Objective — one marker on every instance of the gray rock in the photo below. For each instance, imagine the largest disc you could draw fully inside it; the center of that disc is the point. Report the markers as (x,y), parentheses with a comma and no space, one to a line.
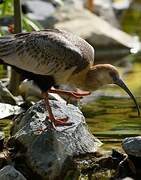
(10,173)
(132,146)
(127,178)
(2,136)
(39,10)
(7,110)
(72,15)
(6,96)
(105,10)
(49,153)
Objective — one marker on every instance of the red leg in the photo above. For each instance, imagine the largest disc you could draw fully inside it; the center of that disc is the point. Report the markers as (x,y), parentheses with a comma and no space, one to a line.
(74,94)
(55,122)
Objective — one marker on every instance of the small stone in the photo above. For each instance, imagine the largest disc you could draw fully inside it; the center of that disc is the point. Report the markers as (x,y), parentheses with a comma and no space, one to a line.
(10,173)
(127,178)
(6,96)
(7,110)
(3,159)
(132,146)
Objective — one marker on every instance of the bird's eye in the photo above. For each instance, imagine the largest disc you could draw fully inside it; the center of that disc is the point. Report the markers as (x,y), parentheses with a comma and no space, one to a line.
(113,75)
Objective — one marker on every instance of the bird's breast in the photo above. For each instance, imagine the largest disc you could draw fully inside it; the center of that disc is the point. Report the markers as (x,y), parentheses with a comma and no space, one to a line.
(78,79)
(63,76)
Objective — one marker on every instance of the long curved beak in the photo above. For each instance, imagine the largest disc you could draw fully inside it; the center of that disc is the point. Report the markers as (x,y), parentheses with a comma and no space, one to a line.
(120,83)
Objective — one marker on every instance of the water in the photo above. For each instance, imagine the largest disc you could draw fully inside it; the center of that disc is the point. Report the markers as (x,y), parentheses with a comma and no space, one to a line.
(113,116)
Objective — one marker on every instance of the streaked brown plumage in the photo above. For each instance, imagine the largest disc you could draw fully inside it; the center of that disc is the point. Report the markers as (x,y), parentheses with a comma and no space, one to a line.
(52,57)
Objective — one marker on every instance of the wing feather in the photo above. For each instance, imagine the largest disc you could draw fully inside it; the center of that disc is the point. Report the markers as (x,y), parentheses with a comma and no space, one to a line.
(44,52)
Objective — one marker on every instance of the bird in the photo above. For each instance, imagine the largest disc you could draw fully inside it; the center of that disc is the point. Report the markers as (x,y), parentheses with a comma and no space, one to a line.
(52,57)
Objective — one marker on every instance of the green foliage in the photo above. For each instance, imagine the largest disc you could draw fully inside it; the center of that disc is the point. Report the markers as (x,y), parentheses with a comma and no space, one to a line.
(7,11)
(6,8)
(30,25)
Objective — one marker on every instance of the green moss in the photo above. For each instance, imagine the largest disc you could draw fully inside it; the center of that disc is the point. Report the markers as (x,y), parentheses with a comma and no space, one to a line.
(5,125)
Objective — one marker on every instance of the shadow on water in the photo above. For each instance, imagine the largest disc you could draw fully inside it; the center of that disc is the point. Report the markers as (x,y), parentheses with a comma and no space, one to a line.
(113,116)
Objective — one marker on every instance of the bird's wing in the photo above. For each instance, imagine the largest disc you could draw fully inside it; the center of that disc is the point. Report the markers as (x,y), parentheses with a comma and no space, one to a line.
(86,49)
(44,52)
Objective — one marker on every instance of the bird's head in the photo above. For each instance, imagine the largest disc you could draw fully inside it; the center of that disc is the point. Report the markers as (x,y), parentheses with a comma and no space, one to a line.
(104,74)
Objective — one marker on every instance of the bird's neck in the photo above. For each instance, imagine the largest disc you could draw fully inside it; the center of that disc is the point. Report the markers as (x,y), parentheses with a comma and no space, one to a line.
(91,83)
(78,79)
(85,80)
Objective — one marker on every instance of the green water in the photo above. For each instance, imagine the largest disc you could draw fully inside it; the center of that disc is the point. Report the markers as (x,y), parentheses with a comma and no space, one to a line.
(113,116)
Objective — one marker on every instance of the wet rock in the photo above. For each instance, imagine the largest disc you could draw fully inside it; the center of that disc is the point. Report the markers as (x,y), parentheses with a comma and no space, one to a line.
(132,146)
(39,10)
(6,96)
(48,152)
(2,136)
(10,173)
(127,178)
(7,110)
(102,39)
(3,159)
(72,15)
(99,165)
(106,11)
(130,166)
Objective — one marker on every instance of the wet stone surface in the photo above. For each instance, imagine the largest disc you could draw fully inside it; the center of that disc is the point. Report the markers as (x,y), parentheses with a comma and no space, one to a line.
(10,173)
(2,136)
(130,166)
(48,152)
(132,146)
(6,96)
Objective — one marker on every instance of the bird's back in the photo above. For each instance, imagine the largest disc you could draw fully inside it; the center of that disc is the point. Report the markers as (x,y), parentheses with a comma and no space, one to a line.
(47,52)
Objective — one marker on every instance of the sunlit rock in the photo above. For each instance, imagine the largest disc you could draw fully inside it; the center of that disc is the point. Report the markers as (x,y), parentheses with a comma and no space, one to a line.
(49,152)
(7,110)
(6,96)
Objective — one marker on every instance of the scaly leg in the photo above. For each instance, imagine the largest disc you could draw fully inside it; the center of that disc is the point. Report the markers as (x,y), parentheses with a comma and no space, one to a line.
(76,95)
(54,121)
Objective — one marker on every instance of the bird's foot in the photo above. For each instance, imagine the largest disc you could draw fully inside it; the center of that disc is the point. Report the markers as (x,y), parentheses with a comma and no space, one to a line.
(80,93)
(54,124)
(61,122)
(58,122)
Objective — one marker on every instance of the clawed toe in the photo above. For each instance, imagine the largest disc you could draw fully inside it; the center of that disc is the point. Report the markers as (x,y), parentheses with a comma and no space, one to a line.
(62,122)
